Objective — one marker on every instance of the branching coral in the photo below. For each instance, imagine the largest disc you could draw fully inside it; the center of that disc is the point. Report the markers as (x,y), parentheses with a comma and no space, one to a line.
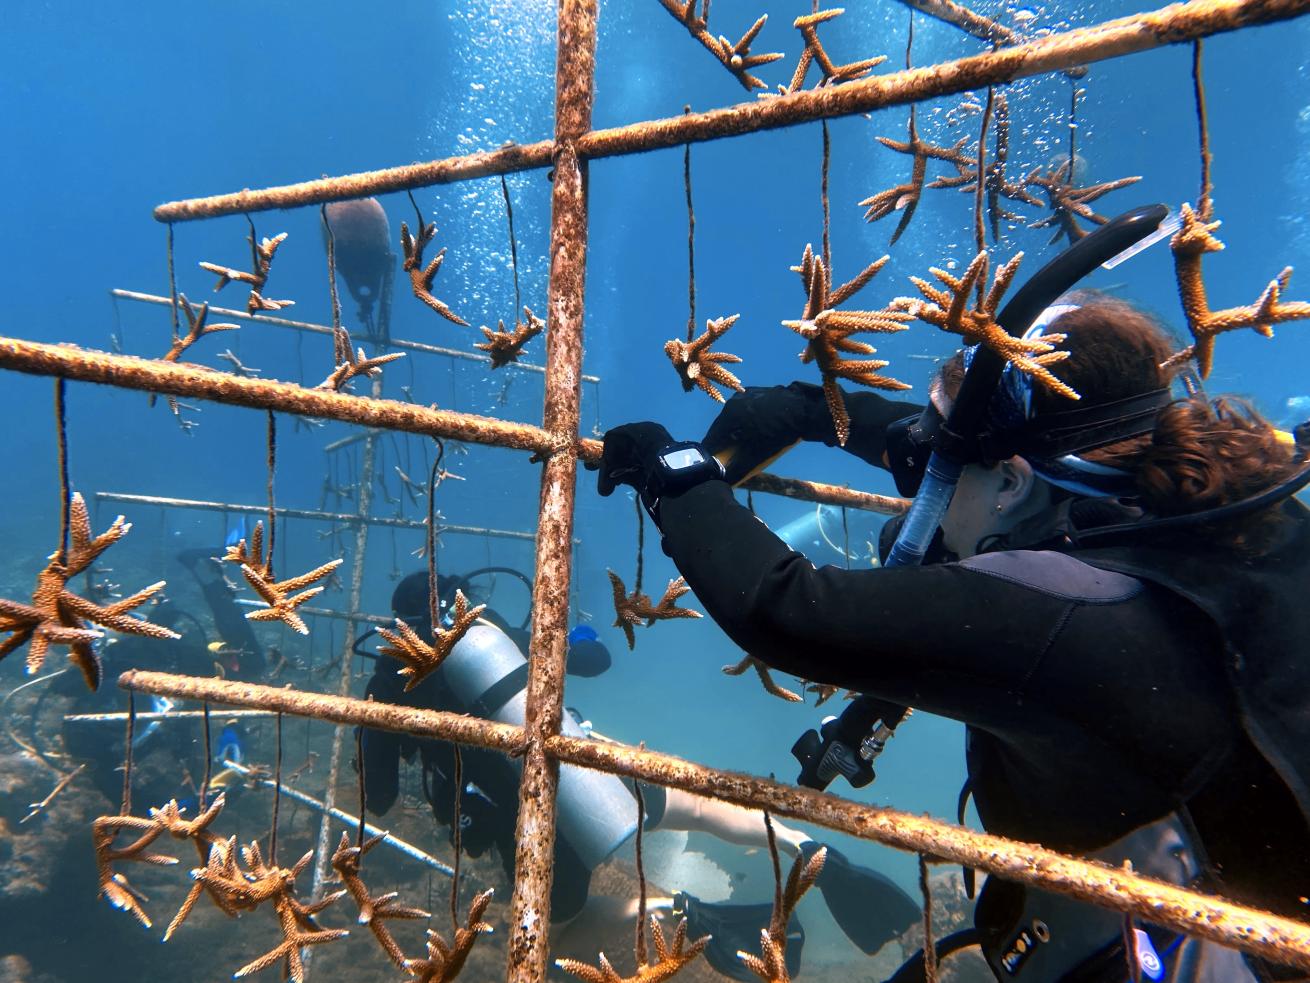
(446,960)
(696,365)
(57,616)
(814,53)
(352,364)
(420,276)
(632,609)
(905,197)
(1192,241)
(761,670)
(261,261)
(771,964)
(1068,203)
(373,910)
(949,310)
(667,962)
(736,58)
(279,595)
(828,334)
(196,329)
(506,346)
(421,659)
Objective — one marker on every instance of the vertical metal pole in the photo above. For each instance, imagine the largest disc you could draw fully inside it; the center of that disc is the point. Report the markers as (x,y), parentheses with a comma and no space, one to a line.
(530,910)
(323,851)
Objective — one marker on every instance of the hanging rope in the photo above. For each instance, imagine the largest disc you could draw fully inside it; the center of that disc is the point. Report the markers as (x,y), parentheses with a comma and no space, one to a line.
(359,771)
(277,797)
(172,283)
(823,198)
(126,808)
(929,947)
(456,831)
(641,544)
(980,238)
(1073,126)
(65,495)
(845,538)
(513,246)
(691,238)
(209,762)
(1204,204)
(640,948)
(434,615)
(272,467)
(340,344)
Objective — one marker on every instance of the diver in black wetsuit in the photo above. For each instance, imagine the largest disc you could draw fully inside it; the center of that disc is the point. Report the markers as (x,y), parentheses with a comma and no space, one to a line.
(1116,613)
(486,674)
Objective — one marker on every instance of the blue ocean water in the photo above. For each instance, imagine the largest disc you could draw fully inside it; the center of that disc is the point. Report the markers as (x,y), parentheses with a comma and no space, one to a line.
(109,110)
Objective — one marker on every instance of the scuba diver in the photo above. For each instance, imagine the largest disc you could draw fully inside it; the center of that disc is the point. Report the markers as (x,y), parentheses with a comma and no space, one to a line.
(361,239)
(486,674)
(1112,605)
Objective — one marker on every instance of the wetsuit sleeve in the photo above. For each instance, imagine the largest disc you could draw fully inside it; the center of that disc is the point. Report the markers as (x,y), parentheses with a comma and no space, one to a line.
(871,415)
(945,639)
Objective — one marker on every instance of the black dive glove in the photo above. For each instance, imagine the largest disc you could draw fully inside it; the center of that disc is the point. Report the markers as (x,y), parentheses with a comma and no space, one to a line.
(757,425)
(629,456)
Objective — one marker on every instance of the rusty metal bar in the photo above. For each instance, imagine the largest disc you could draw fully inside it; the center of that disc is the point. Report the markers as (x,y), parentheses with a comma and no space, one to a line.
(1272,937)
(1174,24)
(170,378)
(366,618)
(311,328)
(529,920)
(973,23)
(340,518)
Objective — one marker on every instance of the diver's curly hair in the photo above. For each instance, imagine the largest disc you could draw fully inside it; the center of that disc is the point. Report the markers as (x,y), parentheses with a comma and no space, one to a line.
(1202,454)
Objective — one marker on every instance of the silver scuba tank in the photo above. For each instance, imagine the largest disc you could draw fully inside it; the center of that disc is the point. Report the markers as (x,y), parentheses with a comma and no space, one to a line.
(487,675)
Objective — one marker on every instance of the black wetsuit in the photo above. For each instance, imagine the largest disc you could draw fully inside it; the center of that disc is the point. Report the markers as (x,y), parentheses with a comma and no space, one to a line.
(1095,702)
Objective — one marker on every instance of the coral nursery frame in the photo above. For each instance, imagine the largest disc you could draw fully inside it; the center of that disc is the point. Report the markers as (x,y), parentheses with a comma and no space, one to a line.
(559,446)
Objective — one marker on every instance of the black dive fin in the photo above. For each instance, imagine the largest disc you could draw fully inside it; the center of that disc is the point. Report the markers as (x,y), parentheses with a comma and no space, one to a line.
(736,928)
(868,906)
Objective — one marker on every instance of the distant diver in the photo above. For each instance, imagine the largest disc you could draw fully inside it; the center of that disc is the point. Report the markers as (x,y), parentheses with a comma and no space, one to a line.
(486,674)
(362,248)
(1114,604)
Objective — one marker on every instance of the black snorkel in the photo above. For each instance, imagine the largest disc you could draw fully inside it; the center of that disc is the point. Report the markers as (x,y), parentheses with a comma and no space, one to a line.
(955,439)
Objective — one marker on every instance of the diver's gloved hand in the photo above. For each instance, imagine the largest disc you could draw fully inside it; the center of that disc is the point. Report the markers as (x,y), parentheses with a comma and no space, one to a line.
(757,425)
(629,455)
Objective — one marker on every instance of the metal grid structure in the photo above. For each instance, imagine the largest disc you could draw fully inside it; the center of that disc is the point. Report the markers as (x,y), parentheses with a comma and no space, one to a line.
(559,446)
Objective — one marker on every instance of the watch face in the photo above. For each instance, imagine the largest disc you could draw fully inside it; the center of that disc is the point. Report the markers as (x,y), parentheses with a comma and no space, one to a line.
(683,458)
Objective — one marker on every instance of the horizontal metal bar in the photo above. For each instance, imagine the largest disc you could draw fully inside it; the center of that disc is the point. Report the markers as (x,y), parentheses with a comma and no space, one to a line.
(311,328)
(1269,936)
(1174,24)
(340,518)
(197,382)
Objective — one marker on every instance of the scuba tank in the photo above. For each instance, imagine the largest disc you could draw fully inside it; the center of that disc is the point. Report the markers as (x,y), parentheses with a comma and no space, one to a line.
(487,676)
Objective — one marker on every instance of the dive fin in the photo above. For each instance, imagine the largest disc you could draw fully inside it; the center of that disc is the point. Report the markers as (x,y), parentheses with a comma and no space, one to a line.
(868,906)
(736,928)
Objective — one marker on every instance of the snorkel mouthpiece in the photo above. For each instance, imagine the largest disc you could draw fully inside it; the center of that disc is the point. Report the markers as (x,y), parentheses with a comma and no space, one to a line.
(955,442)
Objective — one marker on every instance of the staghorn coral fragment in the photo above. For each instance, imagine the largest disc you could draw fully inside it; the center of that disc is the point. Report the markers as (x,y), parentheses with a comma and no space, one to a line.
(761,670)
(949,310)
(506,346)
(904,198)
(827,333)
(420,276)
(1193,240)
(632,609)
(1069,203)
(261,261)
(736,58)
(355,365)
(696,365)
(373,909)
(668,961)
(196,329)
(814,54)
(279,595)
(771,964)
(114,886)
(57,616)
(445,961)
(421,659)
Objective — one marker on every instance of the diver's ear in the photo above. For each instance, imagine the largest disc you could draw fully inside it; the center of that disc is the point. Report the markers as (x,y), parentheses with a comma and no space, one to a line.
(1017,483)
